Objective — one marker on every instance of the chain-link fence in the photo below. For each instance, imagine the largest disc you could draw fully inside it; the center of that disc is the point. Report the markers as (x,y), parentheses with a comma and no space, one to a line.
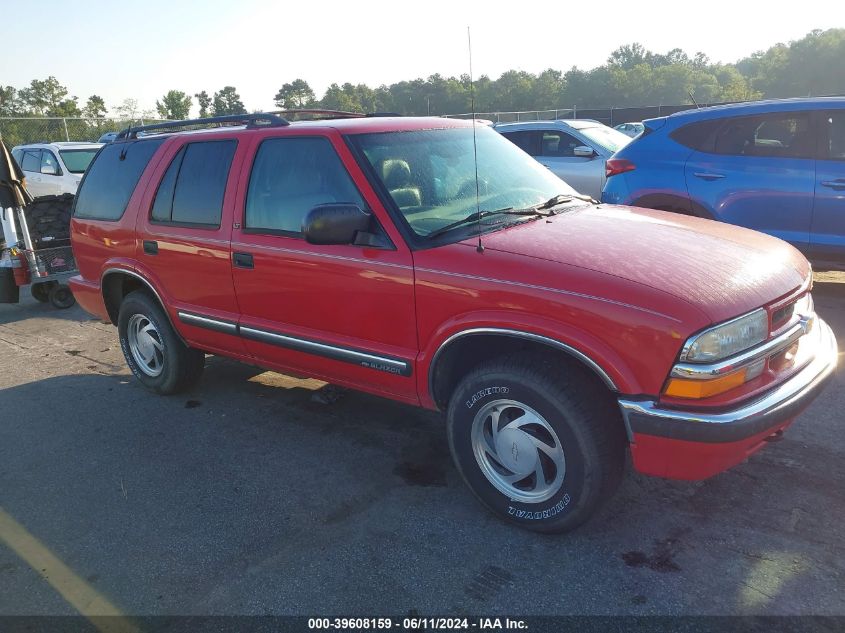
(22,130)
(608,116)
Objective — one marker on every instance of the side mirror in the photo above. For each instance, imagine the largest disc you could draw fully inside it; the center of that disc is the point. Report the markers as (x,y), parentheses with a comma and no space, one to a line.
(583,151)
(335,224)
(49,170)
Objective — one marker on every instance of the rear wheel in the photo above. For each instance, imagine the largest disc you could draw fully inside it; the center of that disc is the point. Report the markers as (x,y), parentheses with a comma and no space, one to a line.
(541,446)
(61,297)
(153,351)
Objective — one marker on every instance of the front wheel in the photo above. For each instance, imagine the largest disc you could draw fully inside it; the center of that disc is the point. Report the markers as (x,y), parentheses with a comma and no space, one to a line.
(153,351)
(540,446)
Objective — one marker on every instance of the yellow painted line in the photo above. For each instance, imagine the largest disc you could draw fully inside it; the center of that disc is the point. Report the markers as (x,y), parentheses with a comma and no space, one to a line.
(78,593)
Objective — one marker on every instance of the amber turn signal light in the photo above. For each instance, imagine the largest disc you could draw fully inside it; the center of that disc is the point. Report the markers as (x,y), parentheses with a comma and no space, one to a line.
(683,388)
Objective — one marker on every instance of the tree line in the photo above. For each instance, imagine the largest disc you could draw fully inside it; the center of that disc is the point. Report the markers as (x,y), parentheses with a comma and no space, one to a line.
(632,76)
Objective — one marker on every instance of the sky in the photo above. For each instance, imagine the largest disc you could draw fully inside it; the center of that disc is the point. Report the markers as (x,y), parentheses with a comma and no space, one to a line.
(140,50)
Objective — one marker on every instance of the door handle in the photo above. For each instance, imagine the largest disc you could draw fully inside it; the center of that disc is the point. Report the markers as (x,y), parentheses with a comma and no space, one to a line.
(706,175)
(837,184)
(243,260)
(150,247)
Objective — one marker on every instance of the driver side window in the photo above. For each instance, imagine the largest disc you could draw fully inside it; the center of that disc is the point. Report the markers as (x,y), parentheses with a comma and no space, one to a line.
(291,176)
(559,144)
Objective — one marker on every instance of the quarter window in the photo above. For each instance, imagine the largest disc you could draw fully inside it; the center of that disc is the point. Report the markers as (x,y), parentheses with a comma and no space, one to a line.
(191,191)
(112,177)
(785,135)
(291,176)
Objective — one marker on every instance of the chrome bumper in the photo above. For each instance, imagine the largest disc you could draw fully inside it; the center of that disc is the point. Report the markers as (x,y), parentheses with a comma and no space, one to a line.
(780,405)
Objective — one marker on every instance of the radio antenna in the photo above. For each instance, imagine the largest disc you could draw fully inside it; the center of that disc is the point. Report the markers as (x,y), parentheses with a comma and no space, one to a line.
(479,248)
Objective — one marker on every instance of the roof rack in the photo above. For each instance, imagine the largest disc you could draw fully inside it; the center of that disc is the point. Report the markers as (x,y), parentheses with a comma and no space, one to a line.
(256,120)
(323,114)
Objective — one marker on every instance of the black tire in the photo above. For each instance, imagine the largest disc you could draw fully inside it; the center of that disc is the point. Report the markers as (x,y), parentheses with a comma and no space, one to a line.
(181,366)
(577,409)
(61,297)
(41,292)
(48,220)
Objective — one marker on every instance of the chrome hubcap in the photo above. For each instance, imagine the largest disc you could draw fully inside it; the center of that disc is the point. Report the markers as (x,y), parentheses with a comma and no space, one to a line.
(145,345)
(518,451)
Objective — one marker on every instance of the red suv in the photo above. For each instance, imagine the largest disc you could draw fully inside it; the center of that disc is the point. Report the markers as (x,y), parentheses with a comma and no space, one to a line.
(433,262)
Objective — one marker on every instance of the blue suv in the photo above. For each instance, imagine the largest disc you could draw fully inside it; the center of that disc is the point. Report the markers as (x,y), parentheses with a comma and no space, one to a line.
(774,166)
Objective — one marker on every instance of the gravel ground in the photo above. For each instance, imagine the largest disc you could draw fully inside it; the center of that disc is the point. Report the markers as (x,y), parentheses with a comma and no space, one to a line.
(247,496)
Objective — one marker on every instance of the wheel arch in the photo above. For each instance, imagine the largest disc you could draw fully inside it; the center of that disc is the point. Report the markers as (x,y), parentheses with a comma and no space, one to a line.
(465,349)
(673,202)
(117,283)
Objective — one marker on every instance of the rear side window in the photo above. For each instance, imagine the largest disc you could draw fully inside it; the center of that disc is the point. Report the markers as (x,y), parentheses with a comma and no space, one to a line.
(110,180)
(18,156)
(31,160)
(834,123)
(529,142)
(781,135)
(191,191)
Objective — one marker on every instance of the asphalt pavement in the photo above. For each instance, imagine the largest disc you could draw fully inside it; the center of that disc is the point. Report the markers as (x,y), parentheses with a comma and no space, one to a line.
(250,495)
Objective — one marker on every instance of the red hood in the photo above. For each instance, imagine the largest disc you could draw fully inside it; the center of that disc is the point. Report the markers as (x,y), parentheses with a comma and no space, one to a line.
(722,269)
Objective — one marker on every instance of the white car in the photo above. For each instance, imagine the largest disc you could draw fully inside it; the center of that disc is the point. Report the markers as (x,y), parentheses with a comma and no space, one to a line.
(575,150)
(630,129)
(52,169)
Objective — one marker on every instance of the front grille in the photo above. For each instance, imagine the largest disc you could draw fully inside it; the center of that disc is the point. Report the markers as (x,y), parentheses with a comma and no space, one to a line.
(781,316)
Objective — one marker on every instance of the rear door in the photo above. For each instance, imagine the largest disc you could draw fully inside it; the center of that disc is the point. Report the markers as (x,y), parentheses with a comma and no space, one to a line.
(827,235)
(343,313)
(31,166)
(758,172)
(184,232)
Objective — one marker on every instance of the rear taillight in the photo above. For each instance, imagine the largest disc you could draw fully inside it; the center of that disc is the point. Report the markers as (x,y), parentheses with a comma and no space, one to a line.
(615,166)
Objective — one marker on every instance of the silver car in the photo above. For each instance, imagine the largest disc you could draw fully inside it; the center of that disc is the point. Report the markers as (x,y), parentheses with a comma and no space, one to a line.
(575,149)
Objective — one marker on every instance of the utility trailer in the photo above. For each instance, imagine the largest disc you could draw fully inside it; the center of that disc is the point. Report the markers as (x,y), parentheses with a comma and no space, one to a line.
(35,245)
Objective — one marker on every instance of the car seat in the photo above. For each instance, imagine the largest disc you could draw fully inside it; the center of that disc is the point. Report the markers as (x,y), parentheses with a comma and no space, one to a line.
(396,175)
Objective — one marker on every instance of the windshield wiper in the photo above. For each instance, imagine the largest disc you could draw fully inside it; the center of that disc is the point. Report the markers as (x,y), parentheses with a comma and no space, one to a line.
(563,198)
(476,216)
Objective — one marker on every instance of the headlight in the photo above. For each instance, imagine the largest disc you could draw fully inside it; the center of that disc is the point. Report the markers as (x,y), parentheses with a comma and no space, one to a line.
(727,339)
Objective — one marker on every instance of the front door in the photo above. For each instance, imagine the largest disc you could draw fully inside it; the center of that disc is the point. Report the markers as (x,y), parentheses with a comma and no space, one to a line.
(582,173)
(341,313)
(827,236)
(759,172)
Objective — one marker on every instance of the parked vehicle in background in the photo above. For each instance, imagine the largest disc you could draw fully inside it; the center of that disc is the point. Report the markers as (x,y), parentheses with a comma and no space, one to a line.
(630,129)
(388,255)
(108,137)
(575,150)
(52,169)
(774,166)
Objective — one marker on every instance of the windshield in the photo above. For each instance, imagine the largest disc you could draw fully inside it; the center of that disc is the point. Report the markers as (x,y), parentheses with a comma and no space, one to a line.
(608,138)
(77,160)
(430,175)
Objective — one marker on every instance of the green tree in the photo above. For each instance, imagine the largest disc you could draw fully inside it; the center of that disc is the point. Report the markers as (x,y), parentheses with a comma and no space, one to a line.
(175,105)
(44,96)
(297,94)
(204,102)
(128,109)
(65,108)
(10,104)
(95,107)
(227,101)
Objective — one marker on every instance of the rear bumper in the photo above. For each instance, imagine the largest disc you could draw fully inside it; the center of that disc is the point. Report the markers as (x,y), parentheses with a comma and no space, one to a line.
(683,444)
(89,296)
